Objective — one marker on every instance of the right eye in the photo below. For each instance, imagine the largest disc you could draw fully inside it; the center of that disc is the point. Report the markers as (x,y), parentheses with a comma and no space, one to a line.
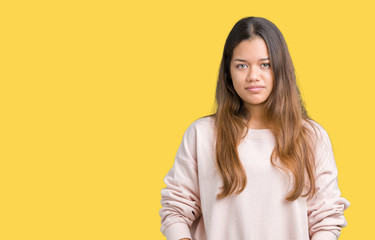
(241,66)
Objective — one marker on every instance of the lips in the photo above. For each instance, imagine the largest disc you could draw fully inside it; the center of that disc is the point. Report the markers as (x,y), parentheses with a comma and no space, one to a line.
(254,86)
(255,89)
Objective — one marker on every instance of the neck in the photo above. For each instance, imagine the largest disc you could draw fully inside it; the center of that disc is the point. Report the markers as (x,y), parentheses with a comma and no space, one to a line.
(257,117)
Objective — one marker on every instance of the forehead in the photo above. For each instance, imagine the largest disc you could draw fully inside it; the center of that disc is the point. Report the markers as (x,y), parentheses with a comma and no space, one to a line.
(253,49)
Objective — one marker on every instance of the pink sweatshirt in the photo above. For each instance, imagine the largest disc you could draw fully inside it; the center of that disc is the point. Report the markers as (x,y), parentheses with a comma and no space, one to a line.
(191,210)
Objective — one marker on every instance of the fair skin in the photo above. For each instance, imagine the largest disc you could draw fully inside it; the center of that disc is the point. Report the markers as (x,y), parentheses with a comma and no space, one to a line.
(252,77)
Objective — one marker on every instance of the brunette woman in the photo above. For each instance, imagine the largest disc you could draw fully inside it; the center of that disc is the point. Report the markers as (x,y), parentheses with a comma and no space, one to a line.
(259,168)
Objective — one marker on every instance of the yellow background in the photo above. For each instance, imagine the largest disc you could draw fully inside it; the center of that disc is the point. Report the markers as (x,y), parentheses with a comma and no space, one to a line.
(96,95)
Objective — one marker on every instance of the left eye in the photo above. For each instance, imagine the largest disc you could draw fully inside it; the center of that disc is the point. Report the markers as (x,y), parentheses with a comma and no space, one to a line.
(265,65)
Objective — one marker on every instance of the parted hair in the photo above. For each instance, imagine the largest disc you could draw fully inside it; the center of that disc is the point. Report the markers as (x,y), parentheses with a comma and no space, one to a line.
(285,115)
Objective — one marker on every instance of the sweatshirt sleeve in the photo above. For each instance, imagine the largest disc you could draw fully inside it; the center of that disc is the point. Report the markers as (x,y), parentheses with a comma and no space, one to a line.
(326,208)
(180,199)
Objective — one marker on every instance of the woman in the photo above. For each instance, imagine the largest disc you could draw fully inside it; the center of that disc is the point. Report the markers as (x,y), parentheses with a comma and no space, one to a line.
(259,168)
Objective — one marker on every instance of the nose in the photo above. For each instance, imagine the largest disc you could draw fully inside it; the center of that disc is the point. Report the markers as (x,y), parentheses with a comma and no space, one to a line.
(253,74)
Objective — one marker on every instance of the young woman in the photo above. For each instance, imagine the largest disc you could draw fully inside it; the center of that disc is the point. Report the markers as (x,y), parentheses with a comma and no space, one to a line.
(259,168)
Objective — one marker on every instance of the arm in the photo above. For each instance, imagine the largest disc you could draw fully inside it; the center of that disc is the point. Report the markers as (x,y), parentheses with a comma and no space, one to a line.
(325,209)
(180,199)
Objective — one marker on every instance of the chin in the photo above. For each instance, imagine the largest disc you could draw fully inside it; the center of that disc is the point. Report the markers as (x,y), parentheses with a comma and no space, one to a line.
(256,102)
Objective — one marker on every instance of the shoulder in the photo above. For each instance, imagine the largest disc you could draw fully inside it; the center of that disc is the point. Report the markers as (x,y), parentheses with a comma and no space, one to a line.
(320,138)
(198,134)
(317,130)
(201,127)
(313,124)
(205,122)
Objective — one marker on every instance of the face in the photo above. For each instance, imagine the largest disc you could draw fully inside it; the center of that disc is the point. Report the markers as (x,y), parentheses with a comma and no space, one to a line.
(251,72)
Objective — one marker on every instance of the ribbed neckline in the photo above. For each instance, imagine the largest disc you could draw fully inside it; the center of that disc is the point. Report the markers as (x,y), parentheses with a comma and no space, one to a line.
(260,133)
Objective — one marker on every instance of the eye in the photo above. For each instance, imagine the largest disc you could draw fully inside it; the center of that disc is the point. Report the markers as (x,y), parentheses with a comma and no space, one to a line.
(241,66)
(265,65)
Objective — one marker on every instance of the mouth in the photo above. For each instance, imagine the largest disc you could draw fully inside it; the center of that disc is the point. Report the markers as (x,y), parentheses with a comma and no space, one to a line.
(255,89)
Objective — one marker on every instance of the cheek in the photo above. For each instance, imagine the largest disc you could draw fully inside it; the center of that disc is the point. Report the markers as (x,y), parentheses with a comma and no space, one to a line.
(269,79)
(237,77)
(236,85)
(236,82)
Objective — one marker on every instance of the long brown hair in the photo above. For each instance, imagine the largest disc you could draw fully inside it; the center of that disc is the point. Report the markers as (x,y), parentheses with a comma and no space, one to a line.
(285,114)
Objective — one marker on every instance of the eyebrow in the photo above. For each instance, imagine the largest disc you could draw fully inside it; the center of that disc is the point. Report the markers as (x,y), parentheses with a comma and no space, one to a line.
(242,60)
